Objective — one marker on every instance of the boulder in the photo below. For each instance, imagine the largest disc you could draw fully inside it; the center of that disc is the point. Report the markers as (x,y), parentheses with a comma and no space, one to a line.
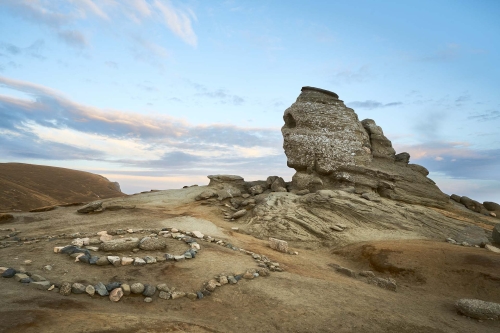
(455,198)
(473,205)
(491,206)
(276,184)
(120,244)
(256,189)
(116,294)
(206,195)
(478,309)
(331,149)
(91,207)
(278,245)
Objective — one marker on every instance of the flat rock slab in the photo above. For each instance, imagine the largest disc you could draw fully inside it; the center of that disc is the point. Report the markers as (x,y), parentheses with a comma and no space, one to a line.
(478,309)
(473,235)
(278,245)
(90,207)
(121,244)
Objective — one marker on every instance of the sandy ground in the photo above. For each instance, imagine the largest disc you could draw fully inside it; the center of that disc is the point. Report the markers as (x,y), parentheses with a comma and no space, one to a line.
(308,297)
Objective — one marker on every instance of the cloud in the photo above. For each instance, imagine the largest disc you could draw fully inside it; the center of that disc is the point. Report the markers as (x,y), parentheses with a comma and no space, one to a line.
(488,116)
(455,159)
(73,38)
(369,104)
(51,124)
(61,16)
(359,75)
(33,50)
(222,95)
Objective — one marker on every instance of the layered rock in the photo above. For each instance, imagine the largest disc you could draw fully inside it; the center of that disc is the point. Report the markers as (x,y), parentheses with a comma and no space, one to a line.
(329,148)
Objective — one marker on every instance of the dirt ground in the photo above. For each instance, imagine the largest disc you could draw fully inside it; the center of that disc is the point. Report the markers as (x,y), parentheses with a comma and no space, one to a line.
(310,296)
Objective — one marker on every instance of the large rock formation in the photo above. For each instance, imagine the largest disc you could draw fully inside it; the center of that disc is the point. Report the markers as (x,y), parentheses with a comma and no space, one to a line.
(331,149)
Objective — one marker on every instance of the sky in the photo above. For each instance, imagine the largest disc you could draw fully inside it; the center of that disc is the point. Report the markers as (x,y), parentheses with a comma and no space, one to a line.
(157,94)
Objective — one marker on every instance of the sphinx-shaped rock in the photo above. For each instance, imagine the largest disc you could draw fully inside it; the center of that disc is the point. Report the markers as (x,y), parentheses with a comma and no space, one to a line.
(329,148)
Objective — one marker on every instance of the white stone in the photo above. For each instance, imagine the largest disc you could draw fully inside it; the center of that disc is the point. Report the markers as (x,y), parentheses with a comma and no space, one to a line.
(114,260)
(127,261)
(492,248)
(197,234)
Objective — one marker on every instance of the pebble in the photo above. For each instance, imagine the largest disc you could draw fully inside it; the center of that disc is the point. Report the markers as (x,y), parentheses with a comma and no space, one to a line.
(116,294)
(114,260)
(3,269)
(174,230)
(58,249)
(139,262)
(179,258)
(148,300)
(192,296)
(223,280)
(42,285)
(90,290)
(198,234)
(178,294)
(28,262)
(23,278)
(47,267)
(248,275)
(199,294)
(126,289)
(113,285)
(149,290)
(137,288)
(150,260)
(336,228)
(127,261)
(92,248)
(232,279)
(102,261)
(9,272)
(164,295)
(93,260)
(65,289)
(78,288)
(212,284)
(100,288)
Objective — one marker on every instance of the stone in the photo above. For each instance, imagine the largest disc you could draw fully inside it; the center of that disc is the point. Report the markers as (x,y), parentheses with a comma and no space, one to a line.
(492,248)
(77,242)
(116,294)
(491,206)
(336,228)
(199,294)
(139,262)
(113,285)
(114,260)
(152,244)
(473,205)
(93,260)
(126,289)
(389,284)
(65,289)
(346,271)
(248,275)
(148,299)
(41,285)
(37,278)
(71,249)
(127,261)
(120,244)
(198,234)
(206,195)
(164,295)
(276,184)
(90,290)
(402,158)
(455,198)
(329,148)
(239,214)
(179,258)
(192,296)
(78,288)
(3,269)
(495,234)
(263,271)
(23,278)
(278,245)
(211,285)
(368,274)
(478,309)
(150,260)
(102,261)
(232,279)
(223,280)
(9,272)
(47,267)
(100,289)
(91,207)
(257,189)
(137,288)
(472,235)
(178,294)
(28,262)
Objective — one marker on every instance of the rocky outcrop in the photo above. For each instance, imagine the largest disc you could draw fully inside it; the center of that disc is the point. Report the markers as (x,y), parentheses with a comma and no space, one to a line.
(478,309)
(329,148)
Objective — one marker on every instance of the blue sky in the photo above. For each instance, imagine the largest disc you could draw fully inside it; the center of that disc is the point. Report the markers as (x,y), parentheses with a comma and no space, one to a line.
(159,94)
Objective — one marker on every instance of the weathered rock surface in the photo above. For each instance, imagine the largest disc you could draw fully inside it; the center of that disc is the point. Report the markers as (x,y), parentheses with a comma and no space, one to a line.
(120,244)
(331,149)
(473,205)
(278,245)
(91,207)
(473,235)
(478,309)
(152,243)
(495,234)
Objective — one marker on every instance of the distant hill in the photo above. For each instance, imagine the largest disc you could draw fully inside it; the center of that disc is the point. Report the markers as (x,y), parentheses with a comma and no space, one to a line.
(29,186)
